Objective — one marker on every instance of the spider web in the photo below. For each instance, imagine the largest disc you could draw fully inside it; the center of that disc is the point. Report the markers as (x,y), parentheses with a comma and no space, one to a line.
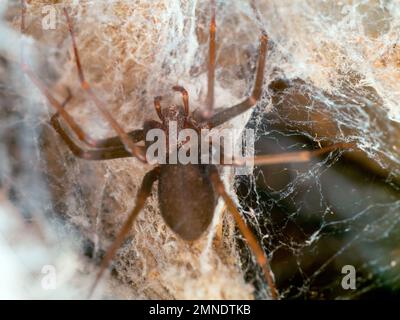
(332,76)
(340,84)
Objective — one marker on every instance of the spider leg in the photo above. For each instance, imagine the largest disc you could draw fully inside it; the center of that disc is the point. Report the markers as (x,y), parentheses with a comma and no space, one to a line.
(105,149)
(234,111)
(136,135)
(207,113)
(94,154)
(143,193)
(59,107)
(246,232)
(103,152)
(292,157)
(23,12)
(128,143)
(67,99)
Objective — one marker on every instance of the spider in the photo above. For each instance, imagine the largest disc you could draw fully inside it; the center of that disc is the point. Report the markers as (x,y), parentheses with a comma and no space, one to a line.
(200,183)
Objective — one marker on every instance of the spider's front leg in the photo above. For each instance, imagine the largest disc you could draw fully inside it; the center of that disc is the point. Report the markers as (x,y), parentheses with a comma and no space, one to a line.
(124,138)
(106,153)
(207,113)
(104,149)
(136,135)
(130,146)
(249,102)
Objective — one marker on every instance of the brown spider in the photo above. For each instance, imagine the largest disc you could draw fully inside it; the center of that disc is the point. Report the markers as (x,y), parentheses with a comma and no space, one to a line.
(177,183)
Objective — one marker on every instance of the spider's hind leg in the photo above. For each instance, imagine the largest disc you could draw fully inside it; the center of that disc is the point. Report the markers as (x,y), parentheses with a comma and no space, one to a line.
(246,232)
(143,193)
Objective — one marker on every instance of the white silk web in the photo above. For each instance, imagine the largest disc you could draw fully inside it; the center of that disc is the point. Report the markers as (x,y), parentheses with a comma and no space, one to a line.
(332,75)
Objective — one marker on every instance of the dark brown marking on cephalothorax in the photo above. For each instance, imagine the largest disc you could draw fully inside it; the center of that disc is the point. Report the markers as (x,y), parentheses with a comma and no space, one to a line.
(186,199)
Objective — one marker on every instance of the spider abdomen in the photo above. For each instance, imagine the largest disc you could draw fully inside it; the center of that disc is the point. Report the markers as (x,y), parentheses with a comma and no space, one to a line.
(186,198)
